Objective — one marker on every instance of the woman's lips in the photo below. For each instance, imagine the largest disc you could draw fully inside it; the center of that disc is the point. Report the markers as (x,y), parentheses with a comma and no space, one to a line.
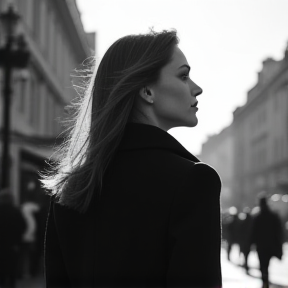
(195,104)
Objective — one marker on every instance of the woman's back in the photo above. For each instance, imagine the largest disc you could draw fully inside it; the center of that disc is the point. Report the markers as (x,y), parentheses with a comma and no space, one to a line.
(149,229)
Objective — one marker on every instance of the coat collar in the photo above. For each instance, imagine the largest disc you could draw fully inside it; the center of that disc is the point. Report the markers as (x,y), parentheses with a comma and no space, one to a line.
(139,136)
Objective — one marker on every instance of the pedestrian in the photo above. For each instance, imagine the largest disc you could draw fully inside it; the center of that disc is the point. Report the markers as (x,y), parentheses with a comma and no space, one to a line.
(12,226)
(245,229)
(232,230)
(30,265)
(267,235)
(126,194)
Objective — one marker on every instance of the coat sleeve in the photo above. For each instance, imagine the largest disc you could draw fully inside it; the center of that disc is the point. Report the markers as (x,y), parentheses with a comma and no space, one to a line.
(55,271)
(195,230)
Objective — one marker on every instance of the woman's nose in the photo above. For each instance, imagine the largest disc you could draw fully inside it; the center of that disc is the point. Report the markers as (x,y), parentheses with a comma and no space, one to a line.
(196,90)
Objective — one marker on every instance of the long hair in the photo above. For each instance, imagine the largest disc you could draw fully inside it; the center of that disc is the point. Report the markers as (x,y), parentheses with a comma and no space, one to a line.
(100,117)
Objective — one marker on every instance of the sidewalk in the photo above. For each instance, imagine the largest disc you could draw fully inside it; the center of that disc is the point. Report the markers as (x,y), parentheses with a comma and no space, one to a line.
(234,276)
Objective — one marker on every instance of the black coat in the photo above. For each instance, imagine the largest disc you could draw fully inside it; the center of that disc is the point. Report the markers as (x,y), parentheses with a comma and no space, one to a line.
(157,224)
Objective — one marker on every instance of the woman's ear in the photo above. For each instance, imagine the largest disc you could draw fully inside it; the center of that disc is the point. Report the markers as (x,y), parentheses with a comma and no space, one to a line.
(146,95)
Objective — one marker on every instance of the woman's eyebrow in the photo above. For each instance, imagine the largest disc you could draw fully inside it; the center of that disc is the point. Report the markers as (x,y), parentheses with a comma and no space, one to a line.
(185,65)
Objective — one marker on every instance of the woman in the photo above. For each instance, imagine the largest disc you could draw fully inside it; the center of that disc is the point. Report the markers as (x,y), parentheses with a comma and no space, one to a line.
(131,207)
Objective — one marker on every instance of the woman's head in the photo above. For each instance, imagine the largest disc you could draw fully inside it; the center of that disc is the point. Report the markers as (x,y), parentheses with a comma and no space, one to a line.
(141,69)
(135,70)
(130,64)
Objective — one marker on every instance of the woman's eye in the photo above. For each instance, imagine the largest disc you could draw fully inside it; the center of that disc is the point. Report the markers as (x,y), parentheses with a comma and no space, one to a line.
(185,76)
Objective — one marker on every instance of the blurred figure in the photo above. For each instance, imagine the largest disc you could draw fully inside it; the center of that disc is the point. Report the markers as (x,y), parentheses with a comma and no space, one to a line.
(30,263)
(245,228)
(225,220)
(267,235)
(232,229)
(12,227)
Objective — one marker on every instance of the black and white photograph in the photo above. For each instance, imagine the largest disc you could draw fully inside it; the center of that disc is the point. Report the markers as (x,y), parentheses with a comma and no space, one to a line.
(143,143)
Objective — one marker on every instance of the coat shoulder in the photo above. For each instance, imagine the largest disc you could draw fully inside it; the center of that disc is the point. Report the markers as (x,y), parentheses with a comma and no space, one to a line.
(169,169)
(160,157)
(203,180)
(205,171)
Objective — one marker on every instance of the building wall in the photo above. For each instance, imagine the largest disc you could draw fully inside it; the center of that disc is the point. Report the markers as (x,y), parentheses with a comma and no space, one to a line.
(217,152)
(251,155)
(261,136)
(58,44)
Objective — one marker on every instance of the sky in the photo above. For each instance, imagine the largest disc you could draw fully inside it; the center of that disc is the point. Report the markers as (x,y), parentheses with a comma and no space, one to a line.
(224,41)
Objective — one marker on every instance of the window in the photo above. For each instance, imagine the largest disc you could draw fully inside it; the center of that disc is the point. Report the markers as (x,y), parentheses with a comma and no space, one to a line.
(60,55)
(55,48)
(56,118)
(47,112)
(50,110)
(34,103)
(51,37)
(22,95)
(32,100)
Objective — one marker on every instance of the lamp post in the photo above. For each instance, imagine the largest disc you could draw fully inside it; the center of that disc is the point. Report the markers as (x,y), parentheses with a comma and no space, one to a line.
(14,54)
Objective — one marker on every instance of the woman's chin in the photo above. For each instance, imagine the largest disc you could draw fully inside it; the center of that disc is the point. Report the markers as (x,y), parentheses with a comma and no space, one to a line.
(194,122)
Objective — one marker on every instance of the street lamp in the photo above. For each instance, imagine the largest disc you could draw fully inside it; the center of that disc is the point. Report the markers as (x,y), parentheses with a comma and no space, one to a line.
(13,54)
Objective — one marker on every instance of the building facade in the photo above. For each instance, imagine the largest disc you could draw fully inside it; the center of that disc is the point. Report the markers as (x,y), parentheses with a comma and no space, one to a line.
(218,152)
(251,155)
(57,44)
(260,132)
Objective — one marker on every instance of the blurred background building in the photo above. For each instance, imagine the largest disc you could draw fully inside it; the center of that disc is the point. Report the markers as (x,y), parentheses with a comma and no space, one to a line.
(260,129)
(218,151)
(251,155)
(57,44)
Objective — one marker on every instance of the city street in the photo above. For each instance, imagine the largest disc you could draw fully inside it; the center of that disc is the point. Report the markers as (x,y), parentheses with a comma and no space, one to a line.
(233,275)
(83,83)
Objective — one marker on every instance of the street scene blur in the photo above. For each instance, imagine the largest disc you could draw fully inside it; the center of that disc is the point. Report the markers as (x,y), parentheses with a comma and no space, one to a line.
(41,43)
